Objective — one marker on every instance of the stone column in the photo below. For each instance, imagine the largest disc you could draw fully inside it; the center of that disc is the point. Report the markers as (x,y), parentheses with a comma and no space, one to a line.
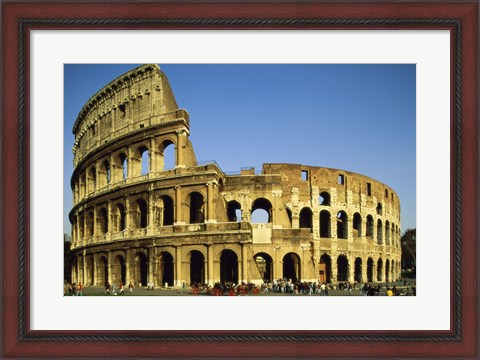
(278,267)
(151,215)
(127,213)
(245,263)
(95,230)
(364,269)
(128,276)
(333,268)
(84,259)
(110,218)
(95,266)
(110,260)
(178,205)
(351,270)
(210,279)
(276,195)
(178,266)
(151,260)
(180,148)
(78,228)
(130,162)
(153,164)
(84,226)
(112,169)
(210,213)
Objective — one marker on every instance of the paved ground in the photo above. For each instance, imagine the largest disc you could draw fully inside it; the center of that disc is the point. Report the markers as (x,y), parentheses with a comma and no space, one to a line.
(100,291)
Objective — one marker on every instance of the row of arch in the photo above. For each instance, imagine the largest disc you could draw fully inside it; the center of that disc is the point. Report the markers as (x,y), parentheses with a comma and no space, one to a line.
(162,270)
(120,166)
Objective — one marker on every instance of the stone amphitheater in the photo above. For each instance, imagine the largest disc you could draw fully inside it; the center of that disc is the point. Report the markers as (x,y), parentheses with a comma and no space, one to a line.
(137,219)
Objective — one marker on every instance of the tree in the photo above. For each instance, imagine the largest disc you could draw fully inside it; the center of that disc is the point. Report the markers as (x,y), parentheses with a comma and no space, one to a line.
(409,248)
(67,263)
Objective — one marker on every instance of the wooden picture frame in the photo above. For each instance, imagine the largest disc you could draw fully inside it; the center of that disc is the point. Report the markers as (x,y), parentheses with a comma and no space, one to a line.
(460,18)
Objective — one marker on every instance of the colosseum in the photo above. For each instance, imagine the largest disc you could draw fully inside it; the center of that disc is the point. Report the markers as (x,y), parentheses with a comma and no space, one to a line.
(134,218)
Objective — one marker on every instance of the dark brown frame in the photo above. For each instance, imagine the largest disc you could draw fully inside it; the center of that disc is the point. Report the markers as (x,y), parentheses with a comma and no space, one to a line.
(460,18)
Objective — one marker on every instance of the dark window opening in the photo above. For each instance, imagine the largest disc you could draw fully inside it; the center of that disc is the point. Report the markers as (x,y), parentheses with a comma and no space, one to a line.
(324,199)
(369,189)
(304,175)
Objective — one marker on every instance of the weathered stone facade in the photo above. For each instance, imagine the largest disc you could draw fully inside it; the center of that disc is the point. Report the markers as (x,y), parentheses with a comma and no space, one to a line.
(133,219)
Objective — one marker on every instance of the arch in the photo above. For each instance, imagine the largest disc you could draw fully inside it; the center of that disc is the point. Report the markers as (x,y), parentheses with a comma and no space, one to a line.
(370,269)
(144,159)
(228,267)
(289,215)
(342,268)
(119,270)
(90,224)
(379,209)
(167,155)
(92,179)
(324,199)
(358,270)
(325,224)
(139,214)
(369,227)
(167,210)
(234,211)
(166,269)
(106,174)
(196,208)
(342,225)
(197,267)
(102,271)
(91,270)
(264,264)
(387,232)
(387,270)
(123,166)
(103,221)
(357,225)
(292,267)
(379,232)
(306,217)
(266,215)
(119,217)
(379,269)
(325,269)
(140,269)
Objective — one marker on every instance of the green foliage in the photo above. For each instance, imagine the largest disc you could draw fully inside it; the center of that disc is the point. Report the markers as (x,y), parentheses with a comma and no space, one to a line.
(409,248)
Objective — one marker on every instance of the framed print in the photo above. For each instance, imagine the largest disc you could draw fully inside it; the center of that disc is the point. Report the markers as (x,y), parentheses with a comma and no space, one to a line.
(436,41)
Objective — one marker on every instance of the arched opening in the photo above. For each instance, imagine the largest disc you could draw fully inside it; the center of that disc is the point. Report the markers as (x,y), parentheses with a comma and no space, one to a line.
(167,155)
(387,270)
(342,225)
(145,160)
(380,270)
(379,232)
(306,217)
(357,225)
(234,212)
(90,224)
(197,267)
(369,232)
(139,214)
(229,267)
(358,270)
(92,179)
(393,276)
(91,272)
(103,221)
(379,209)
(292,267)
(119,270)
(370,270)
(196,208)
(141,269)
(102,271)
(105,174)
(289,214)
(325,224)
(119,219)
(168,210)
(261,211)
(325,269)
(342,268)
(166,269)
(264,264)
(387,232)
(324,199)
(123,162)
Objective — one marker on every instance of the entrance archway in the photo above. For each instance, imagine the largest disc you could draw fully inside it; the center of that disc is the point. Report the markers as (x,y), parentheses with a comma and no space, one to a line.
(342,268)
(358,270)
(197,267)
(325,269)
(264,264)
(166,269)
(102,271)
(369,270)
(141,269)
(292,267)
(387,270)
(119,270)
(379,270)
(229,267)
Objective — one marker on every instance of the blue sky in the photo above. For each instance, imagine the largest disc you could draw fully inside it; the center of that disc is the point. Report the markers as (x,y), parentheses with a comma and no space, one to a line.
(359,118)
